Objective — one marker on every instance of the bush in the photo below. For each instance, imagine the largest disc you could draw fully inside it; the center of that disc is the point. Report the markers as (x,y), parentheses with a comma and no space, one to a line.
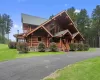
(41,47)
(12,45)
(73,46)
(80,47)
(53,47)
(22,47)
(86,47)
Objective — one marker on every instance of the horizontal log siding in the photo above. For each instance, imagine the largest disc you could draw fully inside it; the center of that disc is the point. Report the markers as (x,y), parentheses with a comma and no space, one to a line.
(27,27)
(35,41)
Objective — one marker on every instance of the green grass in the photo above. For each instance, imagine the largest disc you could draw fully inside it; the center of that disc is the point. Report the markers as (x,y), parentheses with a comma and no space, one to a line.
(92,49)
(8,54)
(84,70)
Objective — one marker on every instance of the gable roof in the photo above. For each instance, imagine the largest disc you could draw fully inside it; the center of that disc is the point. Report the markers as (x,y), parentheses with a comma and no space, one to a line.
(75,34)
(37,29)
(47,21)
(61,33)
(34,20)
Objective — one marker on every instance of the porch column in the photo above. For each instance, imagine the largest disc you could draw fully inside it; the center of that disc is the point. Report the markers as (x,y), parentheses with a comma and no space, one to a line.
(60,43)
(47,41)
(31,40)
(24,40)
(16,39)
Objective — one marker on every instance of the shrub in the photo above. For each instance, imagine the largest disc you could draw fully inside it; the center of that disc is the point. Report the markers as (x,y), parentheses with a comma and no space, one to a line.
(12,45)
(73,46)
(53,47)
(80,47)
(22,47)
(86,47)
(41,47)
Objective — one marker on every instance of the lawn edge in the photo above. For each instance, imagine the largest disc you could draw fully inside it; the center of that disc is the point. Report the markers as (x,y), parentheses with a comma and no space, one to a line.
(47,77)
(30,57)
(56,71)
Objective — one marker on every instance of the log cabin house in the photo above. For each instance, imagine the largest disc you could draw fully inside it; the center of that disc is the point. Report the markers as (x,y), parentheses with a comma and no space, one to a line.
(59,29)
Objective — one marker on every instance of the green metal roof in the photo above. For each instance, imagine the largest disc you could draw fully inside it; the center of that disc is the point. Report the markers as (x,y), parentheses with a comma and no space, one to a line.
(32,19)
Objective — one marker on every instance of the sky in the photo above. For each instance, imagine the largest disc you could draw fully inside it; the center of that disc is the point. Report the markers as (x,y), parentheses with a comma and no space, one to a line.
(41,8)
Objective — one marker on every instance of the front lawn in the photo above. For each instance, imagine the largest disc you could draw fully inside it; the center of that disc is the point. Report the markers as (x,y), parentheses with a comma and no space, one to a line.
(8,54)
(90,50)
(84,70)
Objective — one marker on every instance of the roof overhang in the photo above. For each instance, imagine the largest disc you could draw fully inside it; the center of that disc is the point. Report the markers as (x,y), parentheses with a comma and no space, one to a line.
(62,33)
(37,29)
(19,36)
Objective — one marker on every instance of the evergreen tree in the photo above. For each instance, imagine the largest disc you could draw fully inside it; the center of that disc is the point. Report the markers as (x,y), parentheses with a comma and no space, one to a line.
(5,26)
(51,16)
(72,14)
(96,24)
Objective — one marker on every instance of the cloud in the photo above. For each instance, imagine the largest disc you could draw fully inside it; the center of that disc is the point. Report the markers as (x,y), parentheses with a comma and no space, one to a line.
(14,31)
(16,26)
(77,11)
(21,27)
(66,5)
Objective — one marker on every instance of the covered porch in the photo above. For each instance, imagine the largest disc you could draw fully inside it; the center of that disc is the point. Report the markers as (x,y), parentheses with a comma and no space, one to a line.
(63,39)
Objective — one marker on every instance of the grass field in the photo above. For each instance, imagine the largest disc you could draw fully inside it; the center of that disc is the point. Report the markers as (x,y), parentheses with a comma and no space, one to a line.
(84,70)
(90,50)
(8,54)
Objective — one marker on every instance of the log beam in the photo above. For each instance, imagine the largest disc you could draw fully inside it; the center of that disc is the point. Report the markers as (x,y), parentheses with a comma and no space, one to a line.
(67,17)
(70,24)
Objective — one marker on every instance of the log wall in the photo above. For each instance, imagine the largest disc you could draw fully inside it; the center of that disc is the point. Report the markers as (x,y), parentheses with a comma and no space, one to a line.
(33,41)
(27,27)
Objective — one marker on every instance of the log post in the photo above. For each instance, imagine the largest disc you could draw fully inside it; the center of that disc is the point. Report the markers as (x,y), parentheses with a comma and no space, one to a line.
(60,43)
(47,41)
(31,40)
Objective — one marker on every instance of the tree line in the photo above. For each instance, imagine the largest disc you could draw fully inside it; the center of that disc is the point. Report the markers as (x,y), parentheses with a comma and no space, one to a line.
(88,25)
(6,24)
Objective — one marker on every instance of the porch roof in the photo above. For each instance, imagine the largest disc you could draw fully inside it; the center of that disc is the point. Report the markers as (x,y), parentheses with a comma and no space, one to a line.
(76,34)
(20,36)
(61,33)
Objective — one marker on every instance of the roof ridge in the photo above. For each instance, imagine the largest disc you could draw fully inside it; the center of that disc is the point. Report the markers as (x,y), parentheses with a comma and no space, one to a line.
(33,16)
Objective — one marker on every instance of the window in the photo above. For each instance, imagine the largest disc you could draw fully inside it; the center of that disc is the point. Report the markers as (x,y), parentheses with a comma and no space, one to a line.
(39,38)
